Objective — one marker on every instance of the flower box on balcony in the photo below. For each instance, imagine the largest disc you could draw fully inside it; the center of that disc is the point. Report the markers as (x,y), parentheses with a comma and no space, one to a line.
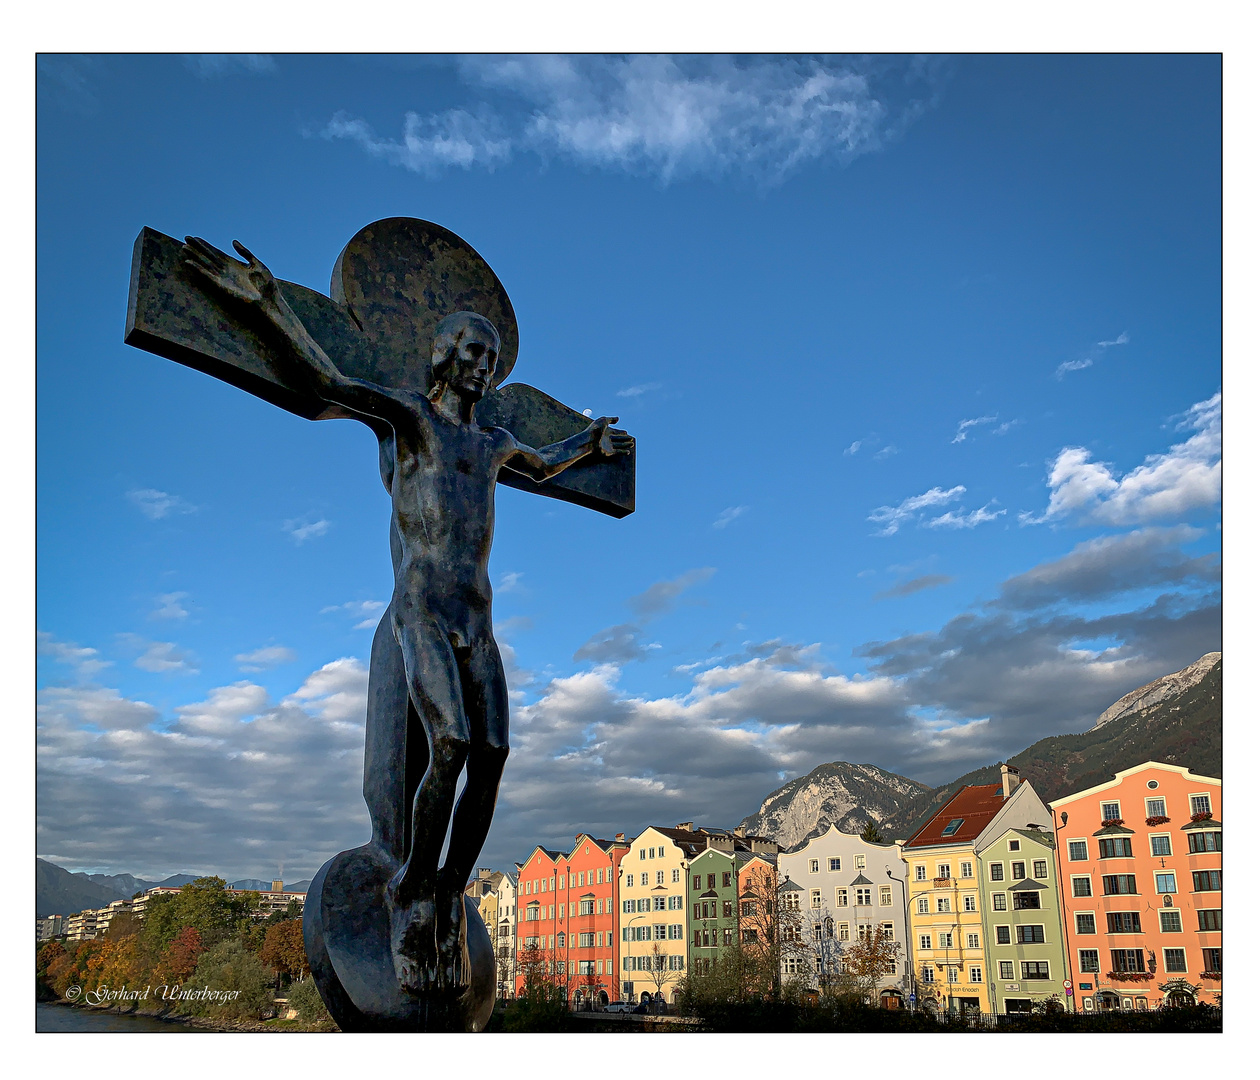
(1203,815)
(1215,976)
(1111,822)
(1128,976)
(1158,819)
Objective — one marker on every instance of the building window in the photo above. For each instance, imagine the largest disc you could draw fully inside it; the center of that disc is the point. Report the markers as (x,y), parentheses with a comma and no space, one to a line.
(642,853)
(1128,960)
(1003,935)
(1204,841)
(1012,845)
(1165,883)
(627,906)
(1119,884)
(1081,887)
(1124,922)
(643,879)
(1025,901)
(586,907)
(996,872)
(1111,811)
(975,975)
(1115,847)
(1174,960)
(842,898)
(676,931)
(711,881)
(1017,871)
(833,864)
(673,876)
(920,872)
(658,903)
(921,905)
(925,942)
(842,931)
(942,870)
(942,903)
(969,902)
(726,909)
(927,974)
(964,869)
(999,901)
(1206,880)
(675,903)
(863,897)
(813,866)
(660,877)
(1088,962)
(954,825)
(945,940)
(953,974)
(1039,868)
(1156,808)
(859,862)
(1210,919)
(1200,804)
(973,941)
(1212,960)
(1030,935)
(1170,922)
(1034,969)
(726,879)
(1161,844)
(1085,923)
(1006,970)
(1078,850)
(885,896)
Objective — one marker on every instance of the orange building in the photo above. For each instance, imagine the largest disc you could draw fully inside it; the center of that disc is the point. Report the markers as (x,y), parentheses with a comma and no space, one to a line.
(567,917)
(1140,876)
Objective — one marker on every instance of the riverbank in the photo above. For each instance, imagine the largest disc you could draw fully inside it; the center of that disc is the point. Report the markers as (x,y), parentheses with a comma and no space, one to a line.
(63,1016)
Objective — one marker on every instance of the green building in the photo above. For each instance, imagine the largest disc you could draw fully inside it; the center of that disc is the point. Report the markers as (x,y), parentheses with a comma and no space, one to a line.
(1025,951)
(712,906)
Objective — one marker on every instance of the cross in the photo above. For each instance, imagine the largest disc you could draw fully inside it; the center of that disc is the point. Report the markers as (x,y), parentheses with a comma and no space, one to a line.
(393,287)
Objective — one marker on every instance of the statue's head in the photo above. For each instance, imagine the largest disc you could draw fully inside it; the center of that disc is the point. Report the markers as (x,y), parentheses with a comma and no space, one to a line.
(465,351)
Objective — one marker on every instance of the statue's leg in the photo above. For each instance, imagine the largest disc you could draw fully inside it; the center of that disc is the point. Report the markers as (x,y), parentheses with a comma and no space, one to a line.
(433,680)
(486,703)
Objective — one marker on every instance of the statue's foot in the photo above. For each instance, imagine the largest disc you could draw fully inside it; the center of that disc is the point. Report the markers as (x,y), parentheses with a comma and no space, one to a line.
(454,967)
(413,943)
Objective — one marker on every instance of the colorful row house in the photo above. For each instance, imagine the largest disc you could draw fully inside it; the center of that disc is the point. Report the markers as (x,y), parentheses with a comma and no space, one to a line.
(949,925)
(567,918)
(847,890)
(1141,879)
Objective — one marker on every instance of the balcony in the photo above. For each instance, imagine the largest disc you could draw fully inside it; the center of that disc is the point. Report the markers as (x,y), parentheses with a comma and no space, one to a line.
(941,882)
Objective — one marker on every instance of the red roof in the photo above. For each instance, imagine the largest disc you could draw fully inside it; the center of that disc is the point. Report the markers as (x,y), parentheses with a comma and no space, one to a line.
(976,805)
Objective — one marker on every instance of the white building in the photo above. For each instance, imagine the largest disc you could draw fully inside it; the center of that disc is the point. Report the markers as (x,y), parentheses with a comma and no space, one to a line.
(848,889)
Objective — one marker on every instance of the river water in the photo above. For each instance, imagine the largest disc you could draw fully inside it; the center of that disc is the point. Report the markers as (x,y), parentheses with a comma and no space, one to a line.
(50,1017)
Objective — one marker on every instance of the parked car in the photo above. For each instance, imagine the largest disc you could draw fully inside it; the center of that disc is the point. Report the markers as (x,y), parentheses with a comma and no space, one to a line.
(619,1007)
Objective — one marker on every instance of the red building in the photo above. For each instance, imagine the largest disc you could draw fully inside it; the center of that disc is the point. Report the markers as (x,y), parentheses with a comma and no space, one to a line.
(567,926)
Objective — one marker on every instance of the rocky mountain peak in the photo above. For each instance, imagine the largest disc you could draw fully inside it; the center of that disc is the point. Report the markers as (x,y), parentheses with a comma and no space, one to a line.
(1155,692)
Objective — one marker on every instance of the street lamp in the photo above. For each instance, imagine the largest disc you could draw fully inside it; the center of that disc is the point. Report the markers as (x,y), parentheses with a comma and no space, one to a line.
(905,903)
(1067,953)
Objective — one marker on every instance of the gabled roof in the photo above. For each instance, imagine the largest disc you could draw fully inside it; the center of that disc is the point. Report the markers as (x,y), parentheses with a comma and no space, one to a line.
(790,886)
(976,805)
(1025,885)
(860,880)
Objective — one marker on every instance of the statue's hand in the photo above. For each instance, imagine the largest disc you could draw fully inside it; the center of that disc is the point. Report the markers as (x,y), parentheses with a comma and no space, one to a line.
(609,441)
(249,281)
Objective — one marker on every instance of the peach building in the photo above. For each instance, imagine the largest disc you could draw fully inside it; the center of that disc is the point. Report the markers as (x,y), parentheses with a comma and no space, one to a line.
(1140,875)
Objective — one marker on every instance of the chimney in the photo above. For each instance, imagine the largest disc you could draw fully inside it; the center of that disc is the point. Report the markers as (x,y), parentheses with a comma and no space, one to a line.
(620,836)
(687,826)
(1010,780)
(277,886)
(739,830)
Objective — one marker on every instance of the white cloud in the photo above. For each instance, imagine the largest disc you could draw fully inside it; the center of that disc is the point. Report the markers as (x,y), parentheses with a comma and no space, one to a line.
(217,65)
(853,448)
(510,582)
(1094,354)
(155,504)
(893,517)
(1122,339)
(955,519)
(963,425)
(159,657)
(1184,479)
(266,657)
(169,606)
(364,610)
(303,529)
(669,116)
(728,515)
(85,661)
(638,391)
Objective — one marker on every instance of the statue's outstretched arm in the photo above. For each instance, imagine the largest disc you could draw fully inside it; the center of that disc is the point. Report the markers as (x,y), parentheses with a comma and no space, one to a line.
(252,283)
(599,439)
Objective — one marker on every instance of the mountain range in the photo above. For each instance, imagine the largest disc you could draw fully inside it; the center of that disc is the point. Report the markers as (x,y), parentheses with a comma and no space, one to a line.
(59,892)
(1176,719)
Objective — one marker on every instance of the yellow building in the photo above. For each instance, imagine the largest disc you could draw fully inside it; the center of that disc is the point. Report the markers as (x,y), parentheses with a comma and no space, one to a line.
(947,936)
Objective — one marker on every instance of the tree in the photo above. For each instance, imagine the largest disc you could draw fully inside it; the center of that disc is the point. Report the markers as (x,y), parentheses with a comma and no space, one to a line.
(873,957)
(871,833)
(284,950)
(231,968)
(659,973)
(827,954)
(205,905)
(771,934)
(179,960)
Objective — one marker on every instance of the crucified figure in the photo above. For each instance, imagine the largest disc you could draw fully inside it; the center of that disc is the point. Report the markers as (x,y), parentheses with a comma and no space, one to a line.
(440,471)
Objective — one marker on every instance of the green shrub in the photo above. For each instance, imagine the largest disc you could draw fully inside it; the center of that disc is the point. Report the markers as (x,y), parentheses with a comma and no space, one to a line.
(304,996)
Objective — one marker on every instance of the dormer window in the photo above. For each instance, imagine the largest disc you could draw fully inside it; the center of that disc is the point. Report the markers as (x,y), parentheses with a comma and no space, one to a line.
(952,827)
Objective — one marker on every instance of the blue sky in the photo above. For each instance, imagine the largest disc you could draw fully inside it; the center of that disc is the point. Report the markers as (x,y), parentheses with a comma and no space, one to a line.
(923,358)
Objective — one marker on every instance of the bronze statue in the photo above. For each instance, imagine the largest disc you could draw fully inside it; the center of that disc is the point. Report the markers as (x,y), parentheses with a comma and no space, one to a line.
(435,664)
